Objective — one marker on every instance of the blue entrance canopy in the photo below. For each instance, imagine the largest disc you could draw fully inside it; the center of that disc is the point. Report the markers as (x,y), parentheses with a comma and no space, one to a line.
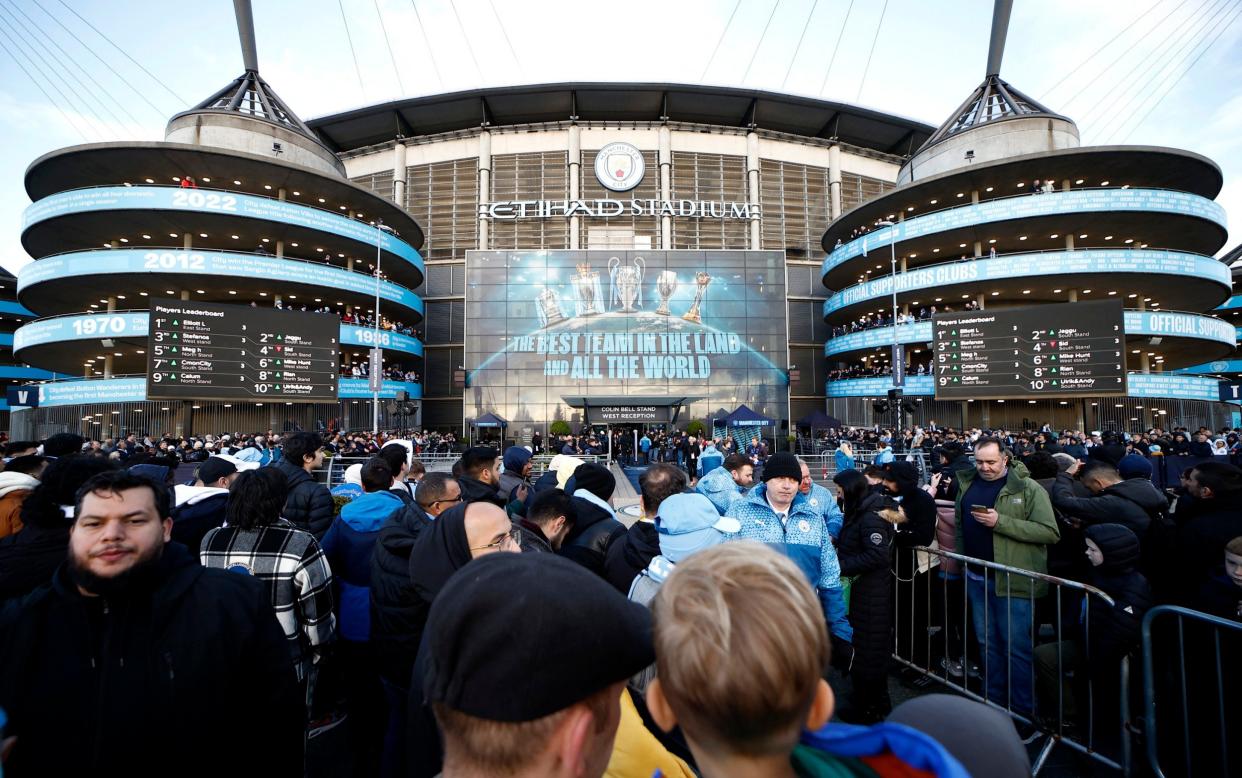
(745,417)
(489,420)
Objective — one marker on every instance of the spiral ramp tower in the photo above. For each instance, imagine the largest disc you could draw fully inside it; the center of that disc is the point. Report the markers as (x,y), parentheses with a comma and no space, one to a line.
(240,204)
(1002,207)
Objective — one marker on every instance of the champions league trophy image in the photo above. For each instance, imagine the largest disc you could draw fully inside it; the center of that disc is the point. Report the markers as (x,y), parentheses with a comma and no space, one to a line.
(702,280)
(626,283)
(549,303)
(666,284)
(586,288)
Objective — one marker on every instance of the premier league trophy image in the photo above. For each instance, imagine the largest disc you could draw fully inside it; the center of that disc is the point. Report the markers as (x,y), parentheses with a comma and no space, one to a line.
(702,280)
(666,284)
(586,288)
(626,283)
(549,303)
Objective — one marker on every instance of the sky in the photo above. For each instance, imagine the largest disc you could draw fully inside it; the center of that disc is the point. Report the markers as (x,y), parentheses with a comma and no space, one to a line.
(1148,72)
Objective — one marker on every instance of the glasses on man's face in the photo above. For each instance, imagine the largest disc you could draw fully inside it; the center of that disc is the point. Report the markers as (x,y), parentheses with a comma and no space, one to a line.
(512,539)
(450,500)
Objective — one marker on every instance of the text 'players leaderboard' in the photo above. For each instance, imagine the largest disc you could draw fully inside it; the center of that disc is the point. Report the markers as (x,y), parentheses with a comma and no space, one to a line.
(1068,350)
(204,351)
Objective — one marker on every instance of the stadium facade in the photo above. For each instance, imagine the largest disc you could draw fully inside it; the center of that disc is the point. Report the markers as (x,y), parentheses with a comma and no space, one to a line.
(622,196)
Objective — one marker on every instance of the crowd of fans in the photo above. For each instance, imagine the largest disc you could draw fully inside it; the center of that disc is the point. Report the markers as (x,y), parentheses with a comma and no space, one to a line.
(884,319)
(489,622)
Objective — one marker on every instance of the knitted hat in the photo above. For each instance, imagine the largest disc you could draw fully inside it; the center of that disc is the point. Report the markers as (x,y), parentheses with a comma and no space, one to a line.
(1134,466)
(596,479)
(782,464)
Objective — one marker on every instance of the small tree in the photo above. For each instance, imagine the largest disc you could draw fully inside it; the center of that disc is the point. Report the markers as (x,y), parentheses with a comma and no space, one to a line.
(696,428)
(559,427)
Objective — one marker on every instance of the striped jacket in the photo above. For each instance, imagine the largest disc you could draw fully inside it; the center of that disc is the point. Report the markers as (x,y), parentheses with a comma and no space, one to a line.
(291,564)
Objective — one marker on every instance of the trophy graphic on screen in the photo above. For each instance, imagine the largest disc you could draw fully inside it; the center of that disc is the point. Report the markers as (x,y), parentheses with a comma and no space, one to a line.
(702,280)
(549,303)
(666,284)
(586,288)
(625,283)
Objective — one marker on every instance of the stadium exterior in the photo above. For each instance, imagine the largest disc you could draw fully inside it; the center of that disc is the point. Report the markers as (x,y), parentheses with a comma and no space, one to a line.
(514,169)
(1002,208)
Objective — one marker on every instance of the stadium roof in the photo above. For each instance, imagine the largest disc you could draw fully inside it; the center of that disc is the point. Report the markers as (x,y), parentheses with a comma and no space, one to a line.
(611,102)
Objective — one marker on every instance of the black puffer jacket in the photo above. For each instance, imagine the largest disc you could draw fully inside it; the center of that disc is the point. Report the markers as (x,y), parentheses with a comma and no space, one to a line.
(631,554)
(594,532)
(309,505)
(189,657)
(865,553)
(1130,503)
(394,603)
(29,557)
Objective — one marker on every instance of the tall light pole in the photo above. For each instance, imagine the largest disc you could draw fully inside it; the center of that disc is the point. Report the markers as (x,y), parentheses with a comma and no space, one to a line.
(898,357)
(377,361)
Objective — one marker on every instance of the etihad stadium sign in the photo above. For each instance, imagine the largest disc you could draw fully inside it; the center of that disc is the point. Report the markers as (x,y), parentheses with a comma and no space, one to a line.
(619,167)
(604,208)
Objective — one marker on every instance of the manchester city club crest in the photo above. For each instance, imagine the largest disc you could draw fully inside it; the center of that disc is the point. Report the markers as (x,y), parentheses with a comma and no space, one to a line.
(619,166)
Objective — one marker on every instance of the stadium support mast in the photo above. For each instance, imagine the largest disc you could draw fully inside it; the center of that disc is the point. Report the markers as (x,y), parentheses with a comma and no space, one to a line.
(245,31)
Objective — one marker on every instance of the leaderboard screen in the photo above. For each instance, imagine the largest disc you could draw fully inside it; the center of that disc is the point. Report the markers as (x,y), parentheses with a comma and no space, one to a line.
(204,351)
(1026,353)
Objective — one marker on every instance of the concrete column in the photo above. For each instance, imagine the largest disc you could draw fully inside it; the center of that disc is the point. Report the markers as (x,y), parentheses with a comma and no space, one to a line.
(980,300)
(107,366)
(1144,363)
(277,300)
(575,183)
(1069,242)
(282,194)
(116,244)
(485,184)
(349,263)
(752,182)
(902,264)
(1142,306)
(399,182)
(1073,295)
(187,240)
(974,196)
(185,294)
(1065,185)
(280,249)
(978,248)
(111,303)
(666,184)
(901,216)
(834,181)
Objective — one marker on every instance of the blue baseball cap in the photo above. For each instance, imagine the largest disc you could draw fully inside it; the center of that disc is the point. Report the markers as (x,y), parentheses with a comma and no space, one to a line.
(688,523)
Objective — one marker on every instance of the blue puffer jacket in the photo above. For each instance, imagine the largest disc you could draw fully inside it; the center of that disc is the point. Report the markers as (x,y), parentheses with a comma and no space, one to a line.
(349,545)
(828,750)
(719,487)
(823,503)
(804,539)
(709,460)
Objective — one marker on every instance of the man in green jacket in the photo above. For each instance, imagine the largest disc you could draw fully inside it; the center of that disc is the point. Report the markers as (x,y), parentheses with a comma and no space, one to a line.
(1004,516)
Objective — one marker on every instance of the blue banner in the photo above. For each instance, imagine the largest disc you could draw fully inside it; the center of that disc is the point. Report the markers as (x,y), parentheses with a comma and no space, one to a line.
(1166,386)
(1219,366)
(113,390)
(1020,207)
(243,268)
(135,324)
(112,198)
(1052,263)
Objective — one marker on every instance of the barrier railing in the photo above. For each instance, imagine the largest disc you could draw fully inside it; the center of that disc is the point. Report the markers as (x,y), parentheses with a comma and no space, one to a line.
(973,625)
(333,471)
(824,466)
(1191,683)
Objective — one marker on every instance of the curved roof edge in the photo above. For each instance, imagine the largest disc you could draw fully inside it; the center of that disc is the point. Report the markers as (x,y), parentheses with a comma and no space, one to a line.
(609,101)
(1209,187)
(401,219)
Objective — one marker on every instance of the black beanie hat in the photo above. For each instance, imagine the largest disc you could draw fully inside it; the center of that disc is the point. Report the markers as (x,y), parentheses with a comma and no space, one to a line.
(782,464)
(596,479)
(516,637)
(1118,544)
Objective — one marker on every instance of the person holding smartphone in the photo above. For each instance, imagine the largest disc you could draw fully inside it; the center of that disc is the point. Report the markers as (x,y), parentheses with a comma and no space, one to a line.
(1004,516)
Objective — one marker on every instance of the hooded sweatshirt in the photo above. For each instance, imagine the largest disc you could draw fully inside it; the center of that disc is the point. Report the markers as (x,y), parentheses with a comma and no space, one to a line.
(719,487)
(1114,632)
(197,511)
(349,545)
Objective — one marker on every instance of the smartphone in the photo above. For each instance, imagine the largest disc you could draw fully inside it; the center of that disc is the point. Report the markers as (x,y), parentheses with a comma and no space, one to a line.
(978,508)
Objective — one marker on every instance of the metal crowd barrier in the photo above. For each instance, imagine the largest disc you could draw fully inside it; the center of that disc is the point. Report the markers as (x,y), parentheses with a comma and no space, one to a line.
(333,471)
(824,466)
(936,628)
(1191,691)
